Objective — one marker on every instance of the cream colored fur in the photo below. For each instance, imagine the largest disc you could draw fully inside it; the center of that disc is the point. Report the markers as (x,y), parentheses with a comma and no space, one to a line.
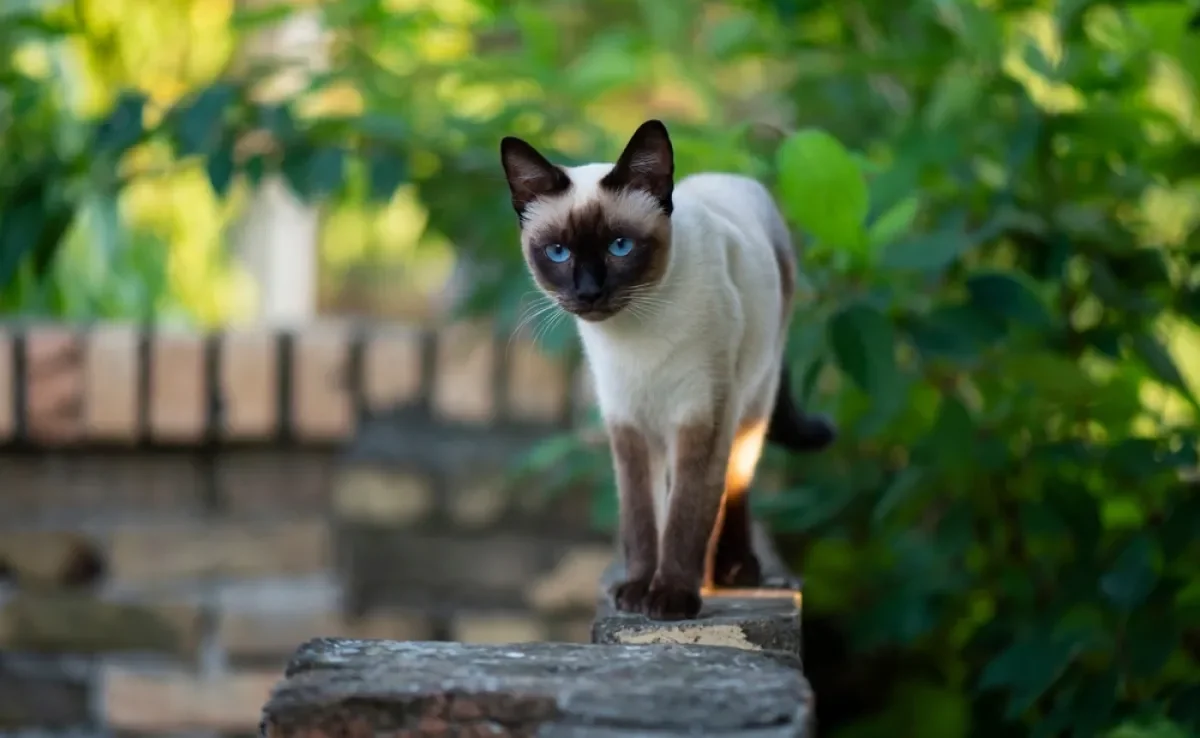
(705,344)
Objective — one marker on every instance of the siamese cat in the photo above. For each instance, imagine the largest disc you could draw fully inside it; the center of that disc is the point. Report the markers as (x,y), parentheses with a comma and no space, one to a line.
(682,295)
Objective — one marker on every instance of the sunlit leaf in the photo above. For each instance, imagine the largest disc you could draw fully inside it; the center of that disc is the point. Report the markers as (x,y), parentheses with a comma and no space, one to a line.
(1160,361)
(822,188)
(892,224)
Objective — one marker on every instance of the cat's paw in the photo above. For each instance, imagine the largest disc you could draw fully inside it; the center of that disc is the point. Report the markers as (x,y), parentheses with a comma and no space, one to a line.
(630,595)
(739,571)
(669,600)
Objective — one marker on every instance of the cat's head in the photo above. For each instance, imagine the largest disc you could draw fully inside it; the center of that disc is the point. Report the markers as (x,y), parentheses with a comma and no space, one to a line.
(595,236)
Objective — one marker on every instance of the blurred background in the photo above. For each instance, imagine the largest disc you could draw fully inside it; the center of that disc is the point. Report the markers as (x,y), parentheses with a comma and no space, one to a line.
(269,366)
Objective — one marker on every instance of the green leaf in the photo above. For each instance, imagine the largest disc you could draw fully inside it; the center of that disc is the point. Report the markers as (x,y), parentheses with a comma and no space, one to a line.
(124,126)
(220,168)
(198,125)
(1136,459)
(1027,668)
(314,172)
(609,61)
(951,440)
(20,227)
(926,253)
(897,492)
(1006,295)
(1080,510)
(32,226)
(1132,578)
(808,381)
(279,121)
(805,509)
(1189,303)
(733,36)
(1105,340)
(1159,361)
(255,168)
(1151,639)
(953,332)
(246,19)
(326,169)
(538,32)
(823,188)
(864,348)
(892,224)
(386,170)
(1185,706)
(954,96)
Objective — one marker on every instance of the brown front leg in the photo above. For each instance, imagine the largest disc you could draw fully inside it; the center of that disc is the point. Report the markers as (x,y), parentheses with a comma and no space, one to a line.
(697,483)
(639,533)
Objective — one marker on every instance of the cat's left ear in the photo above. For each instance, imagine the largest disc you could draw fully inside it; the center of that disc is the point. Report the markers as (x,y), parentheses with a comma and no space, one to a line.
(646,164)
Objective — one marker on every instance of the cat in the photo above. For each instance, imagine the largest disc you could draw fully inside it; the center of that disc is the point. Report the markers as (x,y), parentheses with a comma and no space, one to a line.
(682,296)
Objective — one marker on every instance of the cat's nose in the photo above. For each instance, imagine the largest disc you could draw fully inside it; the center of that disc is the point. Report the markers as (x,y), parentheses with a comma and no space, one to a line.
(589,294)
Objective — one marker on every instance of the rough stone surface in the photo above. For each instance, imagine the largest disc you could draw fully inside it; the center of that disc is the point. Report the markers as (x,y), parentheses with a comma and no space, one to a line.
(418,689)
(754,619)
(754,622)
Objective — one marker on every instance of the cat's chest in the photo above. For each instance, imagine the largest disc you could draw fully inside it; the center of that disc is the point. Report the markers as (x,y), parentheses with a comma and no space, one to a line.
(650,382)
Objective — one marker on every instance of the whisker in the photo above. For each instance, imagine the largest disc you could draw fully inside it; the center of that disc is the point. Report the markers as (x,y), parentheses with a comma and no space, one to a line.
(532,314)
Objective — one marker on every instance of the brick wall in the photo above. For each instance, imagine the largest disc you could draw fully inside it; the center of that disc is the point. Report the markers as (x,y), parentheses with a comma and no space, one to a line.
(178,511)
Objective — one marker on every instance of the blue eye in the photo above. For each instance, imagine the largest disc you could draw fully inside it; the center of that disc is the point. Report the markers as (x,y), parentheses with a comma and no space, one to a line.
(557,253)
(621,246)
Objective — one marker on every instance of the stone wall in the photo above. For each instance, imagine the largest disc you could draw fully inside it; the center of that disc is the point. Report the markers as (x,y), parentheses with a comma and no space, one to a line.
(178,511)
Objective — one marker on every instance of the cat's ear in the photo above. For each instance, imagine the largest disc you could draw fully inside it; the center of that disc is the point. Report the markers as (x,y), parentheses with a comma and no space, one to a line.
(530,175)
(646,164)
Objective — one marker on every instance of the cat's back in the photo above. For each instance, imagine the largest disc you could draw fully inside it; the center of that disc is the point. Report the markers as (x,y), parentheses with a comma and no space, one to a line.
(756,247)
(743,200)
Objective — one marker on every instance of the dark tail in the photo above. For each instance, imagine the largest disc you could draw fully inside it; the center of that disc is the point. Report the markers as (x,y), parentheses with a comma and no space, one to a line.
(790,427)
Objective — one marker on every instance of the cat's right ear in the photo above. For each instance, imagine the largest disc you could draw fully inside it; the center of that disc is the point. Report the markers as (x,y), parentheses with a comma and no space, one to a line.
(530,175)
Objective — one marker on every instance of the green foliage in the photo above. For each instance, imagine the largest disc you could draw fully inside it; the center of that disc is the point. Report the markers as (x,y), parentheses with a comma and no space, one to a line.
(998,209)
(823,189)
(1000,324)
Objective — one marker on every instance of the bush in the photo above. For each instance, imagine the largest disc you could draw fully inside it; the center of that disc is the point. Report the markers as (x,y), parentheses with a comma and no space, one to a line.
(998,203)
(1006,289)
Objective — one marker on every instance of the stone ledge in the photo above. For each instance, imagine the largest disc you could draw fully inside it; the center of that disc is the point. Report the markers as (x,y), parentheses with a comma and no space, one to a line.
(755,620)
(752,619)
(429,689)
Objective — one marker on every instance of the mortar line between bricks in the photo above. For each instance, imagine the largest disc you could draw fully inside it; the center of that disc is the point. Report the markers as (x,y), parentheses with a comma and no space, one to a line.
(285,355)
(20,388)
(429,370)
(145,370)
(501,376)
(215,407)
(355,382)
